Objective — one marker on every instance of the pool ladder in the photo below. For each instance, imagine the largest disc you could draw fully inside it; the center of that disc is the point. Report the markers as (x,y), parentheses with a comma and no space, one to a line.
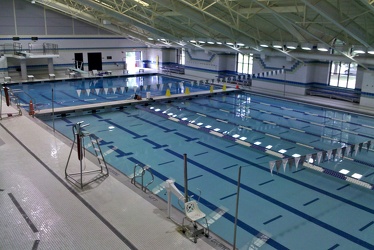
(139,172)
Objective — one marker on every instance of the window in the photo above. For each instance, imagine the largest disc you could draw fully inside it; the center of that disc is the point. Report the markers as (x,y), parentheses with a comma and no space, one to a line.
(343,74)
(182,56)
(245,63)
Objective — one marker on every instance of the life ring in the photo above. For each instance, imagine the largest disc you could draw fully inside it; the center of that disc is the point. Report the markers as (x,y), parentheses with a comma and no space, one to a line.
(7,100)
(31,108)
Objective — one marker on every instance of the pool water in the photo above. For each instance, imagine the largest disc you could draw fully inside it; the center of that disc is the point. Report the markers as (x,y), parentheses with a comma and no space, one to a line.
(298,208)
(100,90)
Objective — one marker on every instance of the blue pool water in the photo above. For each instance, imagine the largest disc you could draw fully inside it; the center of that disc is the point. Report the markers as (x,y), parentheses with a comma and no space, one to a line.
(99,90)
(292,209)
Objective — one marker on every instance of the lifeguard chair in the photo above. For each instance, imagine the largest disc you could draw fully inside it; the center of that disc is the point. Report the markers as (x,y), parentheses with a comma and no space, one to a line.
(193,214)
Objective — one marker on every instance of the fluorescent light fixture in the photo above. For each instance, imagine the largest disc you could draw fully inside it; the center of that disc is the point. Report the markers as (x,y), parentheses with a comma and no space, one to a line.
(33,1)
(264,44)
(202,42)
(240,44)
(192,41)
(344,171)
(359,49)
(291,45)
(277,44)
(306,46)
(219,43)
(322,47)
(229,43)
(210,42)
(296,155)
(371,51)
(157,110)
(142,3)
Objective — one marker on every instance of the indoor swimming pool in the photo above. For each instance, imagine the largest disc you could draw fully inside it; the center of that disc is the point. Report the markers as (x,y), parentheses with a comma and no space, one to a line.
(295,207)
(75,92)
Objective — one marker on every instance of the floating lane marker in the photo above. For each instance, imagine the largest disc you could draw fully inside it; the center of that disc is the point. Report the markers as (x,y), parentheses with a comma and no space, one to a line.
(274,136)
(193,126)
(298,130)
(224,110)
(298,143)
(271,152)
(326,137)
(263,103)
(243,143)
(272,123)
(318,124)
(245,128)
(347,131)
(201,114)
(215,133)
(368,126)
(219,120)
(174,119)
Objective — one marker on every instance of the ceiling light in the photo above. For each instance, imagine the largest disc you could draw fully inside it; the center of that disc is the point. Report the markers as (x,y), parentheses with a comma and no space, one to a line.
(210,42)
(322,47)
(192,41)
(371,51)
(229,43)
(33,1)
(142,3)
(202,42)
(219,43)
(291,45)
(359,49)
(306,46)
(277,45)
(240,44)
(264,44)
(150,38)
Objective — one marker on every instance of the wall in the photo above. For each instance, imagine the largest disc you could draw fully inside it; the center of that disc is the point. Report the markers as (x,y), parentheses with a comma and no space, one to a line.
(367,89)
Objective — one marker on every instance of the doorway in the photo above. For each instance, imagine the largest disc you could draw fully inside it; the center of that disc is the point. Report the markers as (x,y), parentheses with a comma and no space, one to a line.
(94,61)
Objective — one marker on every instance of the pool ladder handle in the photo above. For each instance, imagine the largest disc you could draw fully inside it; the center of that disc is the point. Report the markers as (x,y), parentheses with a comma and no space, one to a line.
(140,173)
(99,154)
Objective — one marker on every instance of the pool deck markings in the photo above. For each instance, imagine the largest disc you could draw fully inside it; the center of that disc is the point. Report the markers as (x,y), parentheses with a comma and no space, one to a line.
(366,226)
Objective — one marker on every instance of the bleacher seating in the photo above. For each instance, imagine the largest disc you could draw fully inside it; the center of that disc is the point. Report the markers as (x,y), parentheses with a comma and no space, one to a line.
(352,96)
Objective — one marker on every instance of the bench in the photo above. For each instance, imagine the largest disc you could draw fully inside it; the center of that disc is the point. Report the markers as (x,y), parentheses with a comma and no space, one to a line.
(345,96)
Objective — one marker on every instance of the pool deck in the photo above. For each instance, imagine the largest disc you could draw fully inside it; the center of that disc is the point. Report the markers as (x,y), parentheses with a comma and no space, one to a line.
(42,210)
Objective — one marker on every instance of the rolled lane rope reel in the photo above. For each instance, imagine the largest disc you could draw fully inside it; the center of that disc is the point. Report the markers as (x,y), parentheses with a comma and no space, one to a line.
(31,108)
(7,99)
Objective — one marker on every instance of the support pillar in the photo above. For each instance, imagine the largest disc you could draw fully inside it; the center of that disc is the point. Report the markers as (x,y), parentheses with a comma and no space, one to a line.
(50,66)
(23,69)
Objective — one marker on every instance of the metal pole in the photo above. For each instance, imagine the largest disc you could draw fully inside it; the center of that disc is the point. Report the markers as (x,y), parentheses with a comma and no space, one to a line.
(1,102)
(284,82)
(237,207)
(53,111)
(185,179)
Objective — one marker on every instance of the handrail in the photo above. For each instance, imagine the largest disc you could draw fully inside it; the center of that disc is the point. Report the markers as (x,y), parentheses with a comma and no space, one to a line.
(141,173)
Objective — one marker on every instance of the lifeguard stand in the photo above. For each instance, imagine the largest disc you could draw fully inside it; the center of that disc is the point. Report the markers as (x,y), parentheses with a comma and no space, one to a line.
(84,177)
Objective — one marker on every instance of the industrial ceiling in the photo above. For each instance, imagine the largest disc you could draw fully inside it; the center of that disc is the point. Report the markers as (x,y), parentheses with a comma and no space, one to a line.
(218,25)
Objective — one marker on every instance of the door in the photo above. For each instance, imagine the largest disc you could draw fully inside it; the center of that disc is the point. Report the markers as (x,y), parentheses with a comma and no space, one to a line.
(94,61)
